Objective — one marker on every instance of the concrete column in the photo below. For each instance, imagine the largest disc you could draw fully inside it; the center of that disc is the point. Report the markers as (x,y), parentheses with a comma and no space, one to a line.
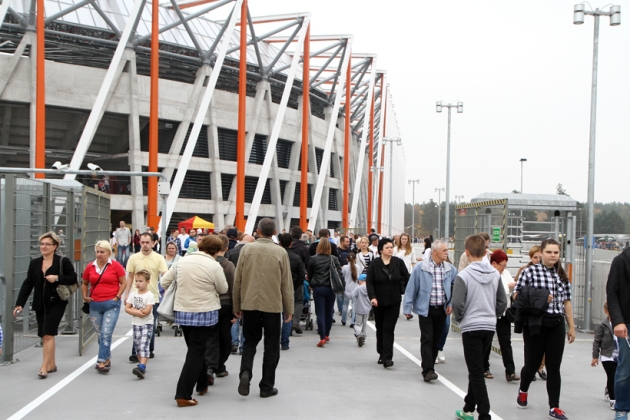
(216,188)
(135,153)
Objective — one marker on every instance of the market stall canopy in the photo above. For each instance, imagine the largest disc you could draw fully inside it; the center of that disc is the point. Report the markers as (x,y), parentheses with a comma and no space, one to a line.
(196,222)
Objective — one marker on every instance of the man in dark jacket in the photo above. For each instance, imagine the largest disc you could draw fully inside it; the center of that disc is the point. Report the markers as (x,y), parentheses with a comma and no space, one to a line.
(324,234)
(232,235)
(233,253)
(618,295)
(298,272)
(301,249)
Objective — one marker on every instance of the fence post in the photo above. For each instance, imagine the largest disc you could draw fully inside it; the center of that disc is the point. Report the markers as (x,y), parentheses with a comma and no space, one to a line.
(9,279)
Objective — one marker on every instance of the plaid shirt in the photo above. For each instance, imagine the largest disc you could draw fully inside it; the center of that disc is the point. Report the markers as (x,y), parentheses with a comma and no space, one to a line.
(539,276)
(438,297)
(197,319)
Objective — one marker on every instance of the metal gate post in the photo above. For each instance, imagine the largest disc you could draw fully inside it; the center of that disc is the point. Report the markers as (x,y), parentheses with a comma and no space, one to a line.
(9,278)
(70,310)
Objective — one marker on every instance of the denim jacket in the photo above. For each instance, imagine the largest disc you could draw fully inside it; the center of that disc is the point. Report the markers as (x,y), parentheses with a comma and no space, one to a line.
(418,292)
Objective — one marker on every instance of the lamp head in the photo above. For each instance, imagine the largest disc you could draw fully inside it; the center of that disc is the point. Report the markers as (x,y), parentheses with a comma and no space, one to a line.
(578,14)
(58,166)
(460,107)
(615,15)
(438,106)
(94,167)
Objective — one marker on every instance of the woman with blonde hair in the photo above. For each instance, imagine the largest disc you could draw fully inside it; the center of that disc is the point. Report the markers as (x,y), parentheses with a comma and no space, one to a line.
(406,252)
(43,277)
(364,254)
(106,279)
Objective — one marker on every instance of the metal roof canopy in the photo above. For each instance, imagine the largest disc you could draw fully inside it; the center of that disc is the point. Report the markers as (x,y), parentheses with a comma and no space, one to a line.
(538,202)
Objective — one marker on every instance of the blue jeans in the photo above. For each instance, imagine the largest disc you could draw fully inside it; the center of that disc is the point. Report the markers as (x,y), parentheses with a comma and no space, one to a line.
(324,307)
(344,311)
(122,255)
(104,316)
(622,377)
(155,320)
(236,332)
(445,330)
(286,333)
(340,299)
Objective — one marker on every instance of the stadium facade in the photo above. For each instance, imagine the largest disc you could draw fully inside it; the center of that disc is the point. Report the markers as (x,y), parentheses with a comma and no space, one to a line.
(98,110)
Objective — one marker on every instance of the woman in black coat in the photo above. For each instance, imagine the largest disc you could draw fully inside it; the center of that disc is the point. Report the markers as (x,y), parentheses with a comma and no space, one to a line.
(42,278)
(387,278)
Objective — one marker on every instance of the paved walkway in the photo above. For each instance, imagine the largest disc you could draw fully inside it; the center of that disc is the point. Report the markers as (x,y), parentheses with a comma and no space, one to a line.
(339,381)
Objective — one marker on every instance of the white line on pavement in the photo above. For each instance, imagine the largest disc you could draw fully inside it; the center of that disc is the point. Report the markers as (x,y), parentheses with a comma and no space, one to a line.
(61,384)
(441,378)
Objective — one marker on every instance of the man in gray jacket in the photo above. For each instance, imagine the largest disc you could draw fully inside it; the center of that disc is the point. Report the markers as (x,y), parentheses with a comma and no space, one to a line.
(478,299)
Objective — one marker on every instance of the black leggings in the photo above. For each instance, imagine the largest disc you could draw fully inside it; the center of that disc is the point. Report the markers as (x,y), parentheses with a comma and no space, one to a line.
(549,343)
(611,369)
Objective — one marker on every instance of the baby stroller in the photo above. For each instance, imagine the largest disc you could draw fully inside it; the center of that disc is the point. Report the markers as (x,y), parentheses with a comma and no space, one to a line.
(306,309)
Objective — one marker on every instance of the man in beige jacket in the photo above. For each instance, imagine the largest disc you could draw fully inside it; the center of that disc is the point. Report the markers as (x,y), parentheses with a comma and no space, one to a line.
(263,290)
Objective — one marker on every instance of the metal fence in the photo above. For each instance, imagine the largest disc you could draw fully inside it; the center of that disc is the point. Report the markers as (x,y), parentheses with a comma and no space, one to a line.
(29,208)
(487,216)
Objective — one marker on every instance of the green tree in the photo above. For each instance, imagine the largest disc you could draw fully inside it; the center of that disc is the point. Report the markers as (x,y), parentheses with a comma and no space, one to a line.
(609,222)
(560,190)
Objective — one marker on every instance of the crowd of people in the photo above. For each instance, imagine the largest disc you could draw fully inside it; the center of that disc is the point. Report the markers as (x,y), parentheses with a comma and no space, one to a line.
(233,290)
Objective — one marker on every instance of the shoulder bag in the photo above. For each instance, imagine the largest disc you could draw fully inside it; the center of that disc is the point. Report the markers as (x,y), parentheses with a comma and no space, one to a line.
(86,305)
(167,303)
(335,282)
(63,290)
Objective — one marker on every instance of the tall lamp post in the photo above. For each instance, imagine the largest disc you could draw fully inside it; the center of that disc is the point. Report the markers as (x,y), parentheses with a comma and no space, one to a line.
(614,12)
(398,142)
(523,160)
(413,207)
(439,191)
(460,109)
(459,198)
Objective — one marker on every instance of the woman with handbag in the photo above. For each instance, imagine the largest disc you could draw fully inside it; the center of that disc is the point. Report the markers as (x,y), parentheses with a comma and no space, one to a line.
(387,278)
(45,274)
(199,280)
(320,268)
(106,279)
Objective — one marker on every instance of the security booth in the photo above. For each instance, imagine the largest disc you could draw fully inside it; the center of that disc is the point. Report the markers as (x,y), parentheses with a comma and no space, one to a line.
(29,208)
(517,222)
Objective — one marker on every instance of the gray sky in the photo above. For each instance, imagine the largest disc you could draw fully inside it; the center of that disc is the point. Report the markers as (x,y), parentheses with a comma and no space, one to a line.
(523,71)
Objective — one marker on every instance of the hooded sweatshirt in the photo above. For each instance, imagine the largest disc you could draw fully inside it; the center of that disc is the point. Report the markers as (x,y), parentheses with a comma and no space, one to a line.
(478,297)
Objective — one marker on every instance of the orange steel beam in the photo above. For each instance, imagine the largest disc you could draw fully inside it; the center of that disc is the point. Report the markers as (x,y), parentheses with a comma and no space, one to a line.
(346,152)
(371,163)
(380,184)
(306,102)
(40,101)
(242,116)
(193,4)
(152,192)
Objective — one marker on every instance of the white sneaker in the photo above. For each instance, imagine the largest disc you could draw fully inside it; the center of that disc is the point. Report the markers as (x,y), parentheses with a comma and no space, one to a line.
(612,404)
(437,360)
(441,357)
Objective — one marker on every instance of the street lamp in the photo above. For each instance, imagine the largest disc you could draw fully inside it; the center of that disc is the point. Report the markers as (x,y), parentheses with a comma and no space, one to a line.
(522,161)
(413,206)
(398,142)
(375,170)
(460,109)
(439,191)
(459,198)
(615,20)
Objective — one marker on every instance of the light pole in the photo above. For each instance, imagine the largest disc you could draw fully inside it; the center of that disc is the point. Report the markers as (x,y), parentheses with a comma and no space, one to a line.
(459,198)
(439,191)
(460,109)
(376,170)
(398,142)
(413,206)
(523,160)
(578,18)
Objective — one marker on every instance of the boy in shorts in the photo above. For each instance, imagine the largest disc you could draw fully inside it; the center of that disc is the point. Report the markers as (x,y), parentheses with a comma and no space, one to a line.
(139,305)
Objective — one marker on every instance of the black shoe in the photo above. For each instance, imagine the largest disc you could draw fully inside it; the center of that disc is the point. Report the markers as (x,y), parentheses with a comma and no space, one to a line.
(243,384)
(343,323)
(285,348)
(430,377)
(361,341)
(334,322)
(138,372)
(388,363)
(380,361)
(133,358)
(351,325)
(210,374)
(298,330)
(410,317)
(234,349)
(542,374)
(269,393)
(151,355)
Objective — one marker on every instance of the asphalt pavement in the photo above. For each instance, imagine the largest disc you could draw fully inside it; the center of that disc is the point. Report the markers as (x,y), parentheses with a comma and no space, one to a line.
(338,381)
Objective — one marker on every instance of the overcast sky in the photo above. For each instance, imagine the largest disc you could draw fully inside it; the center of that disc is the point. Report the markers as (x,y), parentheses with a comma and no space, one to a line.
(523,71)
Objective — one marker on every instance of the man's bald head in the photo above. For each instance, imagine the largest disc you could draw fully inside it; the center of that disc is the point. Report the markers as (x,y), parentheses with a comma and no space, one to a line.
(247,238)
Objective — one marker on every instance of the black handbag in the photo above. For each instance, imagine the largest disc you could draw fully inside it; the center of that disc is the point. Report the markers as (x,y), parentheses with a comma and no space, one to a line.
(335,282)
(86,305)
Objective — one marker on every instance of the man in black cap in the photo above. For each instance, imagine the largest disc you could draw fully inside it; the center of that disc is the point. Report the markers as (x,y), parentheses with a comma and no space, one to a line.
(232,235)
